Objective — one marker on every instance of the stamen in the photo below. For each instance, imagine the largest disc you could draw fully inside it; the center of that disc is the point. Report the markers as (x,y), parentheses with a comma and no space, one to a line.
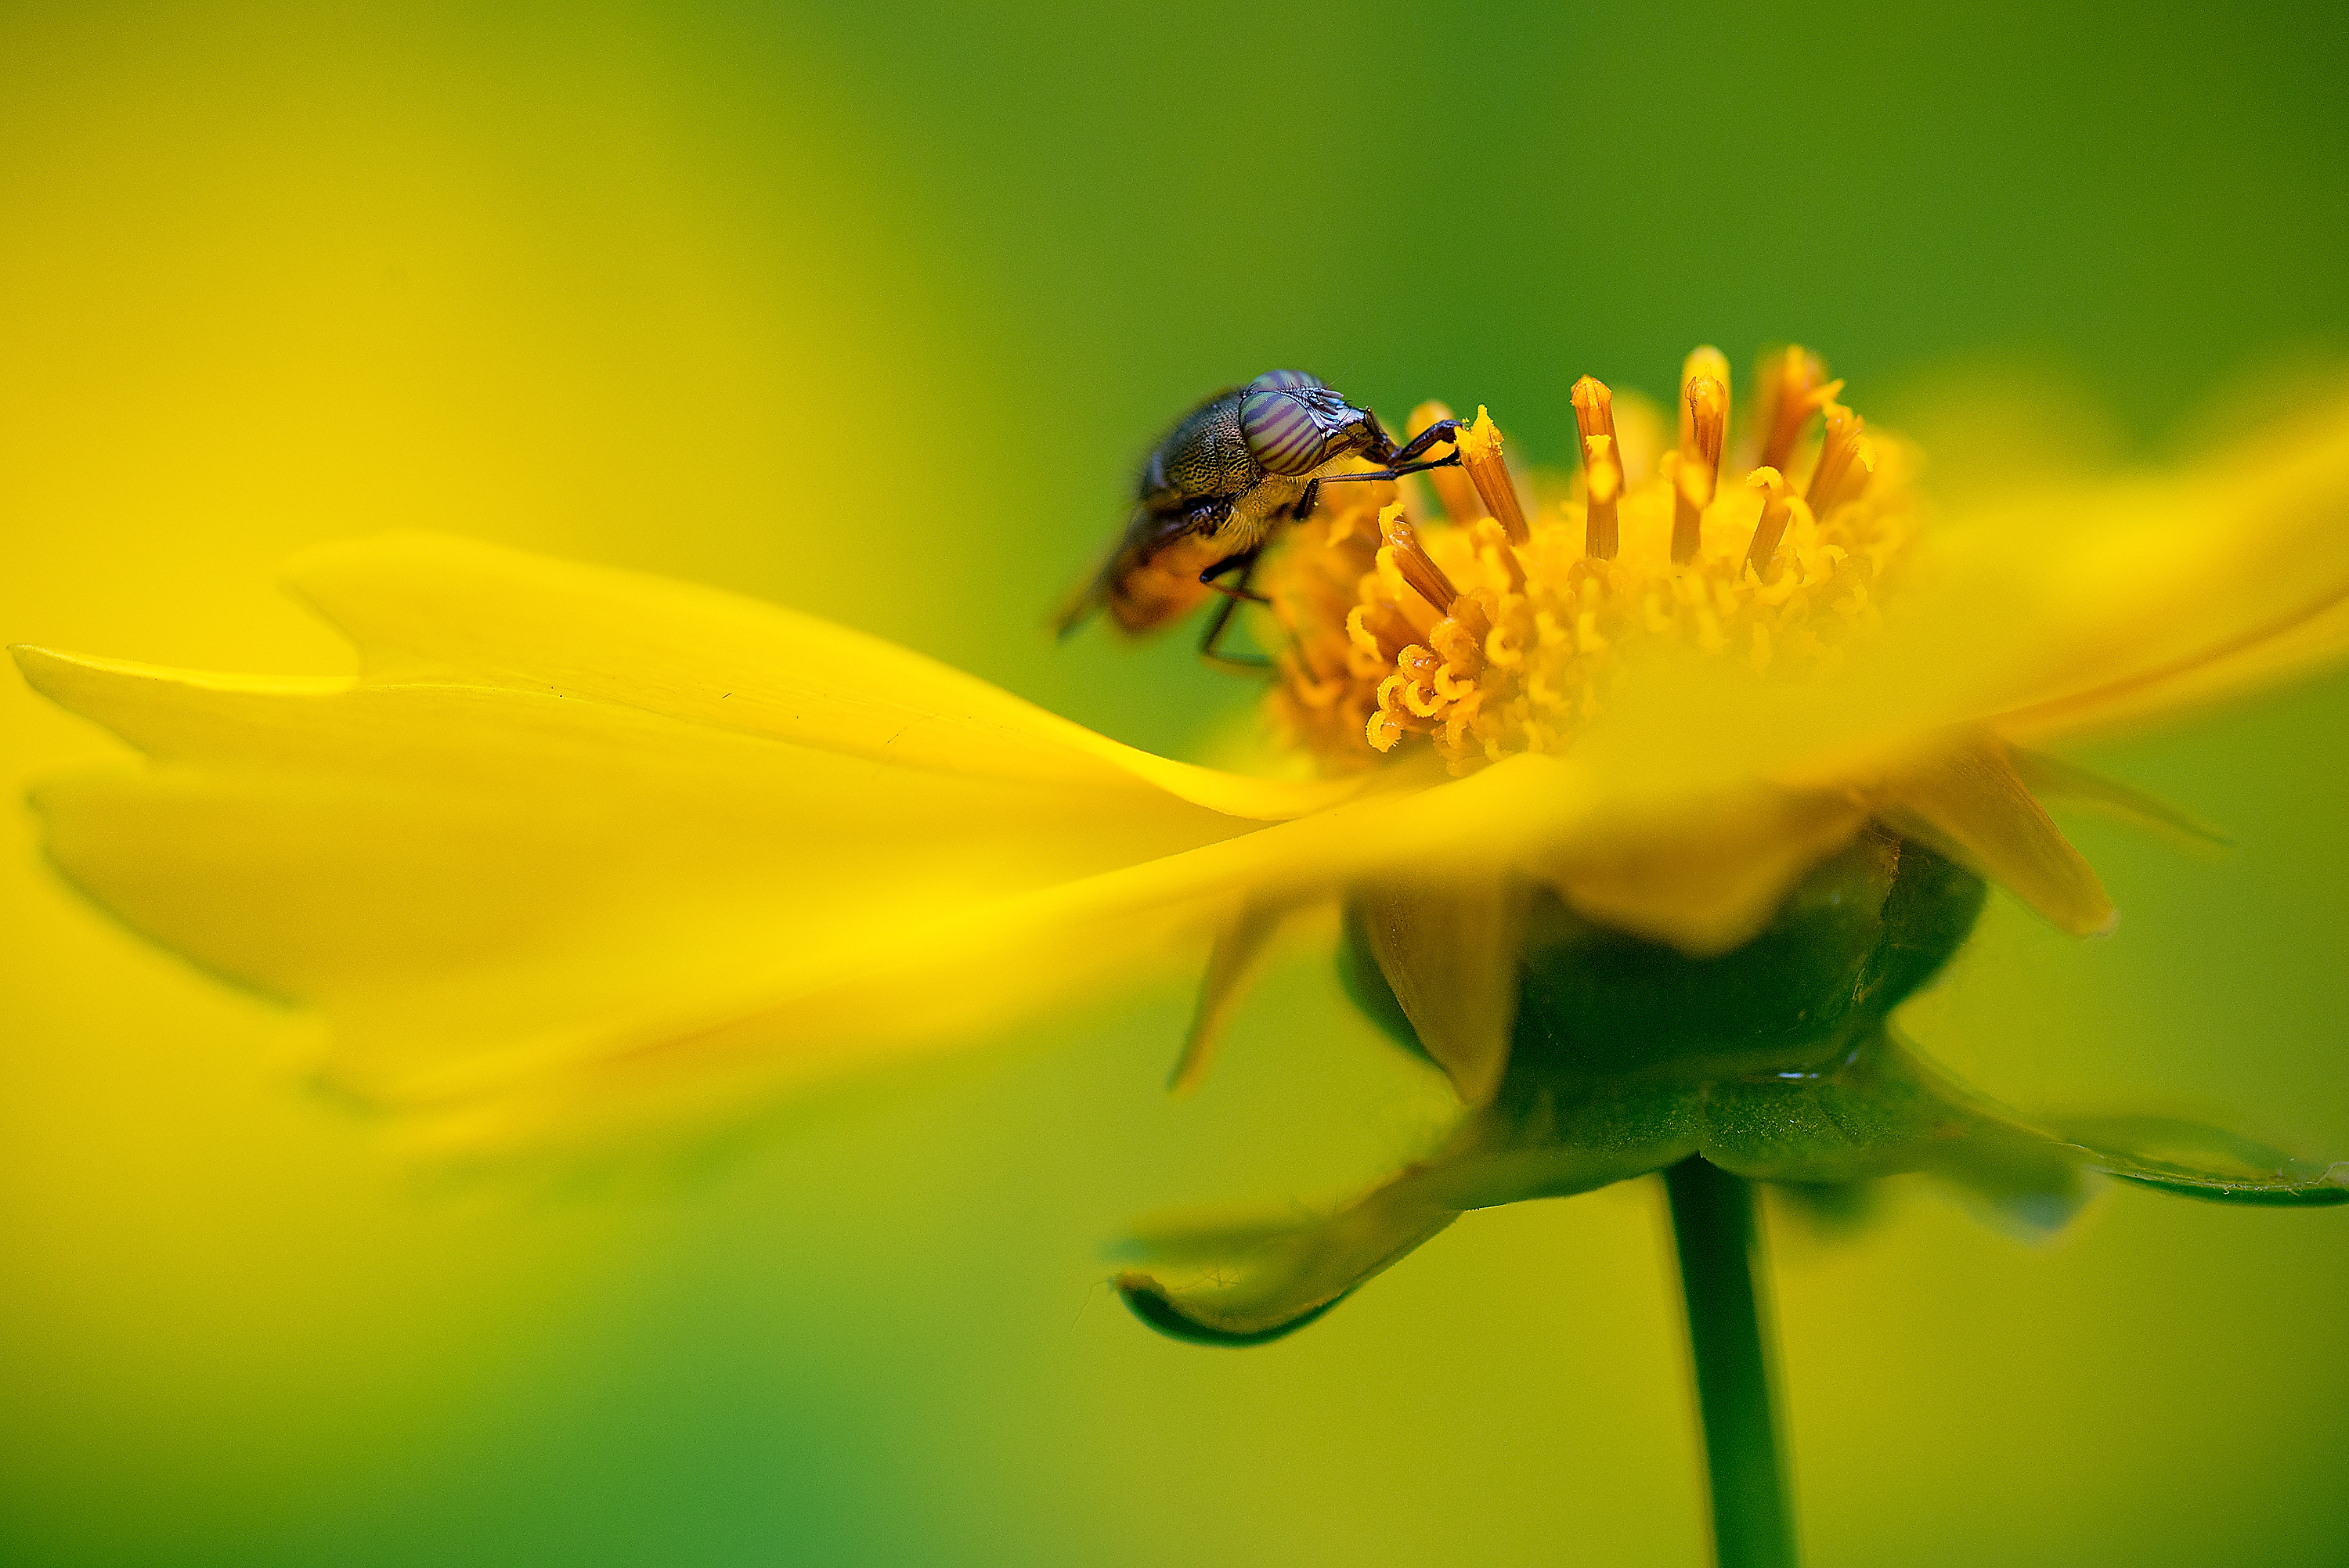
(1468,620)
(1777,507)
(1420,665)
(1704,423)
(1418,568)
(1507,635)
(1493,547)
(1453,486)
(1846,459)
(1794,387)
(1602,466)
(1706,364)
(1383,628)
(1480,454)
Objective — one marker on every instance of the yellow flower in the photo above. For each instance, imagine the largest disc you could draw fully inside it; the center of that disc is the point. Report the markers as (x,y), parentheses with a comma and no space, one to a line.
(578,849)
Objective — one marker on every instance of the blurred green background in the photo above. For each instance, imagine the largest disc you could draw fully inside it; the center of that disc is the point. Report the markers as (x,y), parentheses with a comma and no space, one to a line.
(870,310)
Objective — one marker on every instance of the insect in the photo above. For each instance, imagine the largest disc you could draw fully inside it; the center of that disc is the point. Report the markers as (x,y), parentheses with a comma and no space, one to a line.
(1214,489)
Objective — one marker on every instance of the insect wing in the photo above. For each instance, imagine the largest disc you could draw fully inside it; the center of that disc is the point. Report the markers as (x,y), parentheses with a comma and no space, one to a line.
(1092,592)
(1153,547)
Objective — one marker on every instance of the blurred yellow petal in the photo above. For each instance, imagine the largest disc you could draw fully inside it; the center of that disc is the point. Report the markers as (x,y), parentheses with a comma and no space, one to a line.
(2161,594)
(1707,877)
(426,606)
(2266,656)
(1449,952)
(2059,611)
(2086,607)
(526,913)
(924,985)
(481,884)
(1240,943)
(1970,805)
(2050,778)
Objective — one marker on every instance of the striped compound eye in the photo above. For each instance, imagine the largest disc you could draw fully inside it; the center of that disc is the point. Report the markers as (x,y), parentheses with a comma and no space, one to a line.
(1286,381)
(1286,434)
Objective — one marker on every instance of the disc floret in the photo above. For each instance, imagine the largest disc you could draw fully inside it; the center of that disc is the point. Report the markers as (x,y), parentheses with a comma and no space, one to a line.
(1767,540)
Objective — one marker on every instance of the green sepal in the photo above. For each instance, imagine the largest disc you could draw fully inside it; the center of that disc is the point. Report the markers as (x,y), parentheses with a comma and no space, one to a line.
(1151,1304)
(1855,937)
(2193,1160)
(1880,1110)
(1248,1281)
(1775,1062)
(1859,935)
(1877,1112)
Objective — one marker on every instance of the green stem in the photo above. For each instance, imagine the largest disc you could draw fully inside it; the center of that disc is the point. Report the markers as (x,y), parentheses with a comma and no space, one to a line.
(1714,1228)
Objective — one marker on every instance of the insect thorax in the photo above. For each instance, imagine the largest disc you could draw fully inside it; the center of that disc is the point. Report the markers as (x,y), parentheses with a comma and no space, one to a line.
(1266,503)
(1205,455)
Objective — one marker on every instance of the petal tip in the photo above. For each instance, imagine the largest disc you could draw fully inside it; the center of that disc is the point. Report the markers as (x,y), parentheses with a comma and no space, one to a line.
(51,671)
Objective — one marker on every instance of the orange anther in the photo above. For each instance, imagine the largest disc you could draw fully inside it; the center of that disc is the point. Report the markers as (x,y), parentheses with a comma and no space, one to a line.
(1846,462)
(1452,486)
(1794,387)
(1777,507)
(1418,568)
(1704,424)
(1480,454)
(1602,465)
(1706,364)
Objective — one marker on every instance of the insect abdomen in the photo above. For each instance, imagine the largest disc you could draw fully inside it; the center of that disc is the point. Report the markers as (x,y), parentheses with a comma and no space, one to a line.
(1157,590)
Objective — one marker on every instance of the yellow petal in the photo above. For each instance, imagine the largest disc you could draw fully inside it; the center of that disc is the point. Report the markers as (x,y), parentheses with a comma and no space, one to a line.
(937,983)
(528,913)
(424,606)
(1449,951)
(2058,609)
(1707,875)
(2264,657)
(2051,779)
(1970,804)
(481,883)
(2230,574)
(1240,943)
(2151,596)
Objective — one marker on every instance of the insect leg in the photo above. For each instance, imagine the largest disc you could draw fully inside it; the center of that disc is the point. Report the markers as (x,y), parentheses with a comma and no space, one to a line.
(1383,448)
(1442,430)
(1243,563)
(1449,459)
(1211,642)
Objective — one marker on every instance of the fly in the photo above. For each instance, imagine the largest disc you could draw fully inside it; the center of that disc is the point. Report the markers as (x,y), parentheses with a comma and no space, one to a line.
(1217,487)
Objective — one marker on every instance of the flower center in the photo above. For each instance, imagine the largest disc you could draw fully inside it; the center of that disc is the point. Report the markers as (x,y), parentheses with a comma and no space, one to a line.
(1500,631)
